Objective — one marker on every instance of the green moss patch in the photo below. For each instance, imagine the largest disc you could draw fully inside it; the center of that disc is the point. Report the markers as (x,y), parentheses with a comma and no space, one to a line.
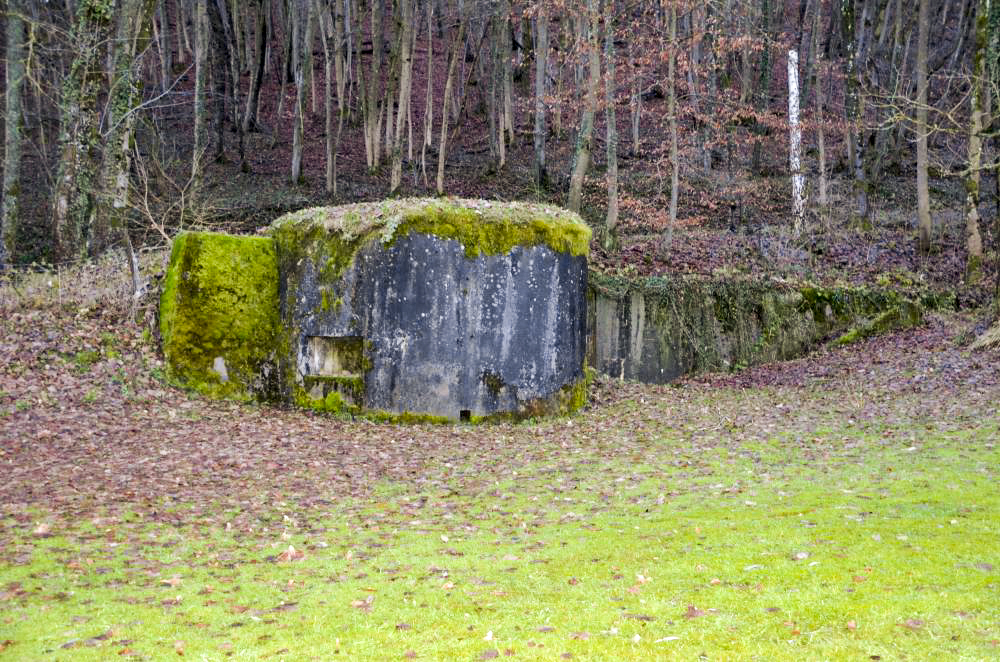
(219,314)
(481,226)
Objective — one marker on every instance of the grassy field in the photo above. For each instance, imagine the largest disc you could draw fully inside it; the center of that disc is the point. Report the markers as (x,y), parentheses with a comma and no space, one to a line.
(841,507)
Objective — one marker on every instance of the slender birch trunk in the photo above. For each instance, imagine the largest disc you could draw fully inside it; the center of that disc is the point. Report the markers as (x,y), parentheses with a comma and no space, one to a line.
(795,144)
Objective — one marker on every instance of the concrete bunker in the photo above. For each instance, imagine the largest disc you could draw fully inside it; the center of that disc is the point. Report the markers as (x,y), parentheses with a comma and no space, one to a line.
(406,309)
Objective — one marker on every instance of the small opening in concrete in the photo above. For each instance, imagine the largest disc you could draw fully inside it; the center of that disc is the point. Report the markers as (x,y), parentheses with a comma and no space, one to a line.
(465,415)
(335,356)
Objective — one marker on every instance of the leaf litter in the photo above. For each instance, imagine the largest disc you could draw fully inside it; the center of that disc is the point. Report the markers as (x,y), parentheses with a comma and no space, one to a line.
(110,467)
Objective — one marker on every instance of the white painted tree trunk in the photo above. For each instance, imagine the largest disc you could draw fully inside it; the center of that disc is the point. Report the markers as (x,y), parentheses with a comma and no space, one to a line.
(795,142)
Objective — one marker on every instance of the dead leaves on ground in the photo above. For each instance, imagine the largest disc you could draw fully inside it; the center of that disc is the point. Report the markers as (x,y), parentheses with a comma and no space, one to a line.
(291,554)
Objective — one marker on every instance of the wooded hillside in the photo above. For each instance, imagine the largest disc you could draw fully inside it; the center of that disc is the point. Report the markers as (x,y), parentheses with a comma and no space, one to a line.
(128,119)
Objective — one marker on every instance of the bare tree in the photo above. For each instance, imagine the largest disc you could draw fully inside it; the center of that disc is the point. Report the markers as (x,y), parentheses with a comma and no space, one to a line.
(668,239)
(201,46)
(457,47)
(610,92)
(303,12)
(589,25)
(405,88)
(541,73)
(795,143)
(132,36)
(973,240)
(13,123)
(73,193)
(923,192)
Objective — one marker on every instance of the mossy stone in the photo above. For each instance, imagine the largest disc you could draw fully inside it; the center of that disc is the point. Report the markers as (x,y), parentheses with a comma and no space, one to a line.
(219,314)
(482,227)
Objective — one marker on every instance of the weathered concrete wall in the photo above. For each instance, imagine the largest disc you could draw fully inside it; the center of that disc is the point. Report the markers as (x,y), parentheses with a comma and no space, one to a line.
(443,334)
(655,330)
(408,309)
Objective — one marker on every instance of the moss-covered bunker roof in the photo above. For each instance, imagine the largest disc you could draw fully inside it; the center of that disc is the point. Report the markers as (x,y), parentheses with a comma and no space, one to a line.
(484,227)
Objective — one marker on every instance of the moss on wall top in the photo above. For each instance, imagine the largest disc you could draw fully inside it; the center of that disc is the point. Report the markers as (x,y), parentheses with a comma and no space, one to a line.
(219,312)
(481,226)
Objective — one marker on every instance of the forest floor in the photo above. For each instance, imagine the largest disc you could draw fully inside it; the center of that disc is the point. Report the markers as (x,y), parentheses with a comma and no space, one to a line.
(841,506)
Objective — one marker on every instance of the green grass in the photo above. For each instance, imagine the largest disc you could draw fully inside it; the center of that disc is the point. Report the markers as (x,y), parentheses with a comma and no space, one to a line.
(851,544)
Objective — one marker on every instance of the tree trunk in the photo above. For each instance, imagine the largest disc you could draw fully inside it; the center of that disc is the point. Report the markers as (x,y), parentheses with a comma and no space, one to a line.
(497,103)
(221,74)
(852,105)
(508,73)
(584,142)
(405,88)
(429,96)
(973,240)
(184,49)
(457,49)
(541,176)
(162,29)
(327,37)
(610,92)
(820,129)
(134,23)
(697,23)
(13,123)
(795,144)
(200,28)
(303,10)
(371,106)
(393,74)
(260,51)
(73,191)
(668,240)
(923,190)
(635,102)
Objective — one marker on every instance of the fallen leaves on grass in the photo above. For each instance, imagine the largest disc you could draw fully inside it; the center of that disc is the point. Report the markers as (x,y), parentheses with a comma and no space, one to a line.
(291,554)
(693,612)
(364,605)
